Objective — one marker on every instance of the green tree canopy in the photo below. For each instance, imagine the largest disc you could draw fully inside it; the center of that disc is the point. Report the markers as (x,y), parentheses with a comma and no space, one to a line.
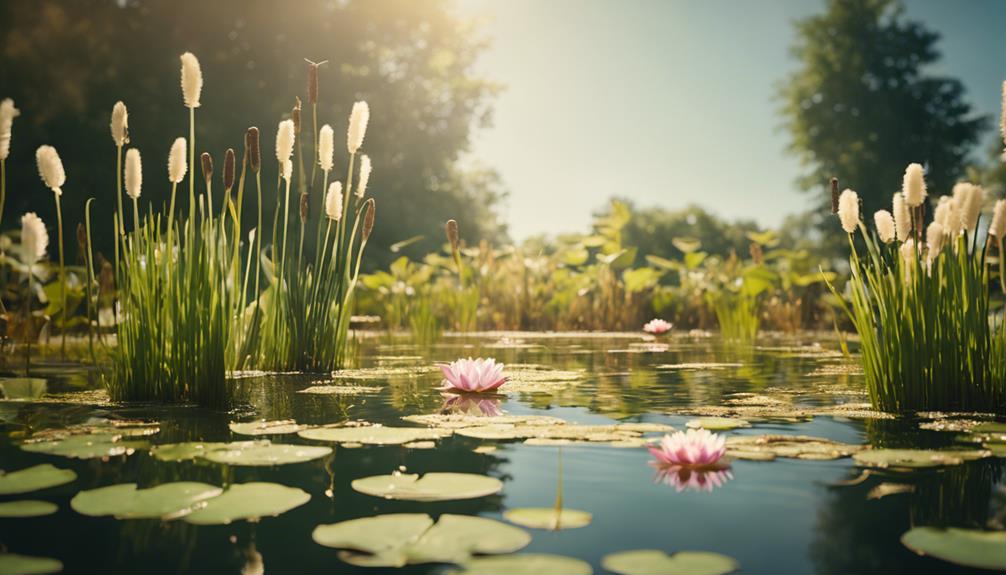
(67,63)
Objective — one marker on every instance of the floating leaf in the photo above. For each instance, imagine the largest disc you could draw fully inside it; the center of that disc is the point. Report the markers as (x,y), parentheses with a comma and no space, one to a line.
(885,489)
(263,427)
(759,447)
(34,478)
(654,562)
(462,420)
(718,423)
(27,508)
(14,564)
(548,518)
(915,458)
(266,455)
(339,389)
(525,564)
(125,501)
(373,435)
(430,487)
(399,539)
(89,446)
(250,501)
(22,388)
(699,366)
(194,449)
(968,547)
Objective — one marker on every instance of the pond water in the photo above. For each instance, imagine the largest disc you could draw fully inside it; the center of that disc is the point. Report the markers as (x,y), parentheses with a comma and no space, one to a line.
(786,516)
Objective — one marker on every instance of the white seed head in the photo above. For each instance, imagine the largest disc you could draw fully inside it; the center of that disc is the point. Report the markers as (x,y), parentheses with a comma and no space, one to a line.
(288,170)
(998,226)
(285,137)
(357,126)
(971,208)
(134,173)
(192,80)
(885,225)
(902,217)
(908,250)
(914,185)
(177,164)
(7,114)
(333,201)
(326,148)
(34,238)
(934,239)
(848,210)
(365,169)
(50,167)
(120,124)
(942,211)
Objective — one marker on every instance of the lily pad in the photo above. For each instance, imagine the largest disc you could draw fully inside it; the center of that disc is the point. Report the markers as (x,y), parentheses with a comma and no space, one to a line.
(250,501)
(27,508)
(525,564)
(266,455)
(430,487)
(263,427)
(759,447)
(86,446)
(548,518)
(339,389)
(718,423)
(125,501)
(34,478)
(915,458)
(968,547)
(22,388)
(399,539)
(885,489)
(194,449)
(374,435)
(14,564)
(460,421)
(654,562)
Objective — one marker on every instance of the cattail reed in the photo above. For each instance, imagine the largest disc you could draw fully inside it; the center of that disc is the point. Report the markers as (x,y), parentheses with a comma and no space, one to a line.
(252,150)
(177,166)
(453,236)
(230,169)
(120,124)
(885,226)
(7,114)
(834,196)
(312,82)
(134,182)
(303,209)
(365,169)
(295,115)
(34,242)
(207,164)
(333,202)
(913,185)
(848,210)
(368,218)
(285,136)
(902,217)
(326,148)
(50,167)
(192,89)
(358,120)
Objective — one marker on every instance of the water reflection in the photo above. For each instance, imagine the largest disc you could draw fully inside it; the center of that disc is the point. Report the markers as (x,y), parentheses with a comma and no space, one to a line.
(683,478)
(470,404)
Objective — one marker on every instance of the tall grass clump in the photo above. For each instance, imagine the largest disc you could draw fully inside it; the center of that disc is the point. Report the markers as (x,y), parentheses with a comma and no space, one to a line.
(919,299)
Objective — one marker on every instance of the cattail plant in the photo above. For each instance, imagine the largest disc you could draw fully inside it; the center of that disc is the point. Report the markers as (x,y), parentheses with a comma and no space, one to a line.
(192,89)
(50,167)
(120,135)
(34,243)
(134,182)
(464,300)
(7,114)
(921,304)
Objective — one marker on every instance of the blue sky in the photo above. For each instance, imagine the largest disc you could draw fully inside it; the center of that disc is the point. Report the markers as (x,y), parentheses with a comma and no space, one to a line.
(670,102)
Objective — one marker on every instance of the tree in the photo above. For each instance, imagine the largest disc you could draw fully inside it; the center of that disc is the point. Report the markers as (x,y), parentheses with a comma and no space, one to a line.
(67,63)
(861,107)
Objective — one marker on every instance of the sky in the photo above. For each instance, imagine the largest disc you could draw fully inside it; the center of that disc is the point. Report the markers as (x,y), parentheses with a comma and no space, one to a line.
(670,102)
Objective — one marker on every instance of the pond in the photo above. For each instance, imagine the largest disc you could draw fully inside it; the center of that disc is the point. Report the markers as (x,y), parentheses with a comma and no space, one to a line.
(809,510)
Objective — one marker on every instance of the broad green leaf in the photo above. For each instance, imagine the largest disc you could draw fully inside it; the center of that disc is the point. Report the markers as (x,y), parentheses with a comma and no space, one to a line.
(27,508)
(14,564)
(429,487)
(967,547)
(525,564)
(717,423)
(373,435)
(654,562)
(263,427)
(548,518)
(915,458)
(267,455)
(22,388)
(125,501)
(250,501)
(86,446)
(34,478)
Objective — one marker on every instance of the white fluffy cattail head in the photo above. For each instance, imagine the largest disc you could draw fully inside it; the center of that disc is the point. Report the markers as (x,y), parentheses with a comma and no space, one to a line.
(885,226)
(365,169)
(998,226)
(942,212)
(357,126)
(287,170)
(192,80)
(285,136)
(326,148)
(914,185)
(333,201)
(902,217)
(34,239)
(7,114)
(908,250)
(120,124)
(848,210)
(934,239)
(50,167)
(971,206)
(177,164)
(134,173)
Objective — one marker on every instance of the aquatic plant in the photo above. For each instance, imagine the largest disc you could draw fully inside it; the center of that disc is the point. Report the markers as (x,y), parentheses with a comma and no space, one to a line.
(50,168)
(921,306)
(692,448)
(685,478)
(657,326)
(7,114)
(472,375)
(34,243)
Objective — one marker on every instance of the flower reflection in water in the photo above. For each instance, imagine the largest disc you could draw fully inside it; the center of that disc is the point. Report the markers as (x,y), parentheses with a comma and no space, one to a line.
(685,478)
(471,404)
(691,461)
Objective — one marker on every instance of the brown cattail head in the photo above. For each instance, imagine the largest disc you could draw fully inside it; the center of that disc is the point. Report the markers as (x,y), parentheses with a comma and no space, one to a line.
(229,168)
(312,82)
(207,160)
(368,218)
(295,115)
(82,241)
(303,208)
(834,196)
(452,234)
(252,149)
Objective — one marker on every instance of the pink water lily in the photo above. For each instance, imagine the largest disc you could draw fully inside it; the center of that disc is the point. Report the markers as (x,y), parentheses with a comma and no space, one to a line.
(694,448)
(472,375)
(657,326)
(691,478)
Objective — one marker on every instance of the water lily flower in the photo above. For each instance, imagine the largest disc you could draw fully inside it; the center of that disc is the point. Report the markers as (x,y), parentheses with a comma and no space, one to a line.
(472,375)
(692,479)
(694,448)
(657,326)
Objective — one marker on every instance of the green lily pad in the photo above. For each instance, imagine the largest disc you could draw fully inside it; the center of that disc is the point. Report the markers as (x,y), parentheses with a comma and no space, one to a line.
(125,501)
(265,455)
(430,487)
(248,501)
(14,564)
(22,388)
(462,420)
(86,446)
(399,539)
(761,447)
(654,562)
(915,458)
(968,547)
(27,508)
(548,518)
(34,478)
(525,564)
(718,423)
(339,389)
(190,450)
(374,435)
(263,427)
